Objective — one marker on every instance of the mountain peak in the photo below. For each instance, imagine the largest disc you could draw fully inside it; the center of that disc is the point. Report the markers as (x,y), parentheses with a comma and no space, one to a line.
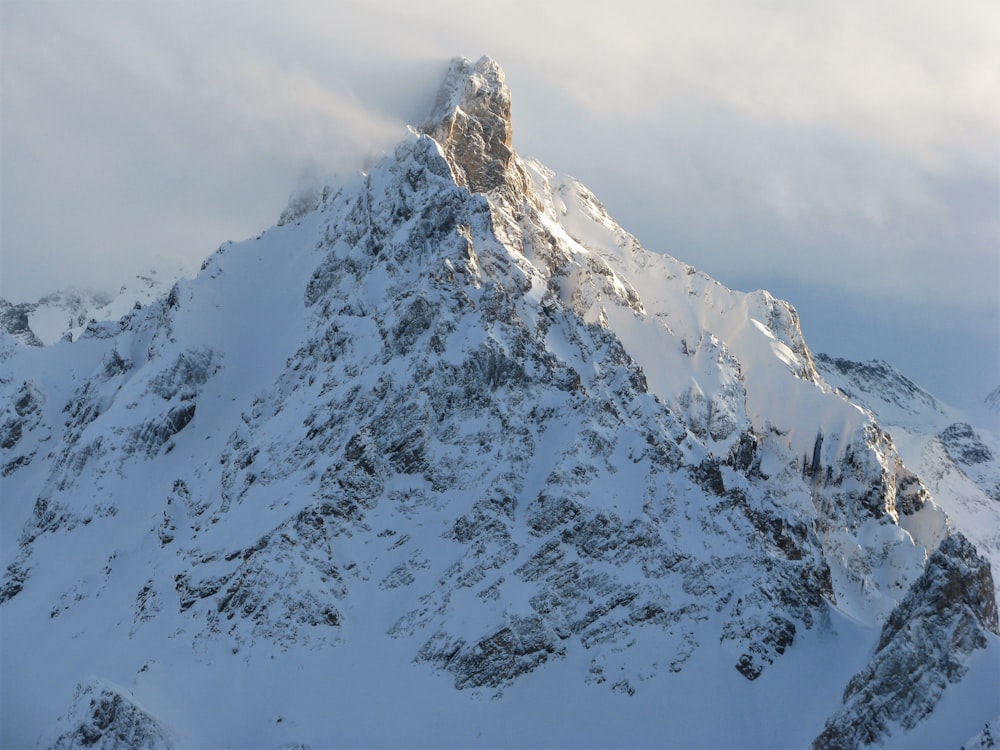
(475,432)
(471,121)
(466,84)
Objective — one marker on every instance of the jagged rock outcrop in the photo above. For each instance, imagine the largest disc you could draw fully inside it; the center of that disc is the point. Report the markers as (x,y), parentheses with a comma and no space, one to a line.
(924,644)
(876,380)
(106,717)
(471,120)
(47,320)
(964,445)
(987,739)
(14,320)
(21,414)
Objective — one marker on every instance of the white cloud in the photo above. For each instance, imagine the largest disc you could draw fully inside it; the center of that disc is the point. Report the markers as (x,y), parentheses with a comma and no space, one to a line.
(850,142)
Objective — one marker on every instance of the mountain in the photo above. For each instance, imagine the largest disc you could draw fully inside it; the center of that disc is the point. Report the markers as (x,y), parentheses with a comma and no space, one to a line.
(957,460)
(68,312)
(45,321)
(448,459)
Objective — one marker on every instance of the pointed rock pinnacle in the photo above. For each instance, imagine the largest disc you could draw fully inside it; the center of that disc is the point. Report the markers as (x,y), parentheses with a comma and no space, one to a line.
(471,121)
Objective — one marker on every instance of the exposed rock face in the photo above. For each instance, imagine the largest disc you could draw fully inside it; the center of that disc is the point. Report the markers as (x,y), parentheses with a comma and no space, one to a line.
(943,618)
(987,739)
(876,379)
(497,659)
(964,445)
(471,121)
(105,717)
(22,414)
(14,320)
(47,320)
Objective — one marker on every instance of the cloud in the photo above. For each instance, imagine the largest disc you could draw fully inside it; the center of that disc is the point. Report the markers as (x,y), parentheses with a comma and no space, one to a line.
(132,130)
(848,144)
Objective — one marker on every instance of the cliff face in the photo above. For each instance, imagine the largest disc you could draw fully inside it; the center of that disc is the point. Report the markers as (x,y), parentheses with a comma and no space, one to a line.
(948,613)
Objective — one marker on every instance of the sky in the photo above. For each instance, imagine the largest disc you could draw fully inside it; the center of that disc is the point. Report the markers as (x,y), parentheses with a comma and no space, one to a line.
(843,155)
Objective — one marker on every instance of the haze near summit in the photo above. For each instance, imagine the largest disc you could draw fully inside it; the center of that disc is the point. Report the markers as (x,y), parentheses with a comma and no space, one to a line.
(843,156)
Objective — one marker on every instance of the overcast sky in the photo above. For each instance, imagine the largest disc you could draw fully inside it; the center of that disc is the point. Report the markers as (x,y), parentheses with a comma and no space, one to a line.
(844,155)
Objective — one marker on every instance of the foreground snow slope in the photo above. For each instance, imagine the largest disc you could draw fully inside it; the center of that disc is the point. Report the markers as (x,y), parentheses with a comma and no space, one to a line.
(452,444)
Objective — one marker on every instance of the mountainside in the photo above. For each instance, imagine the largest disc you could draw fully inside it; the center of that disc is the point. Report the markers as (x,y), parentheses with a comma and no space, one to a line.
(447,442)
(69,311)
(958,462)
(45,321)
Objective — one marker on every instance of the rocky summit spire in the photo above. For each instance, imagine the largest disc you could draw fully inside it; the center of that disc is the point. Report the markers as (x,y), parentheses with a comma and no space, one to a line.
(471,121)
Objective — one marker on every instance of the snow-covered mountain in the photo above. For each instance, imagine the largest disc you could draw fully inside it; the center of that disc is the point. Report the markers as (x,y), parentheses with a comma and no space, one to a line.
(47,320)
(448,459)
(68,312)
(956,455)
